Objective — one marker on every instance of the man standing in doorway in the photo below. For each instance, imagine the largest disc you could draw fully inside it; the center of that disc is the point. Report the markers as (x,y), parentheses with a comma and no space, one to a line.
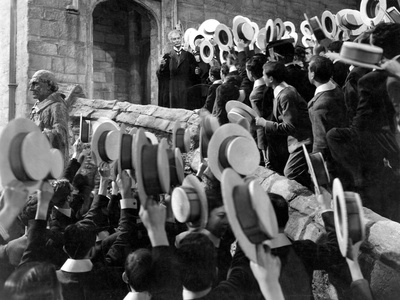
(182,68)
(50,112)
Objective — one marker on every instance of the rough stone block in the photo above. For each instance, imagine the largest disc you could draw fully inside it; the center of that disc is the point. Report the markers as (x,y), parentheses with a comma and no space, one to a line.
(289,189)
(66,78)
(98,37)
(295,227)
(195,160)
(47,3)
(40,47)
(51,29)
(71,66)
(182,115)
(98,113)
(121,106)
(384,282)
(306,205)
(76,111)
(83,102)
(99,77)
(103,104)
(137,108)
(68,50)
(54,15)
(99,55)
(38,62)
(34,27)
(161,124)
(35,12)
(145,121)
(115,39)
(128,118)
(57,64)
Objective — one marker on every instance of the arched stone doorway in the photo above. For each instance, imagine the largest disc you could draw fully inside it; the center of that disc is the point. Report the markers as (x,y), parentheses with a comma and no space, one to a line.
(125,47)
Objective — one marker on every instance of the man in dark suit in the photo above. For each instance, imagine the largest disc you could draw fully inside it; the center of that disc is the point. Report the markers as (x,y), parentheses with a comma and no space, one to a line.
(327,109)
(182,66)
(368,150)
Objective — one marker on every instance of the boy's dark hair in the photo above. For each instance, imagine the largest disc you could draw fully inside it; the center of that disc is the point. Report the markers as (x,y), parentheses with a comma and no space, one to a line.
(139,270)
(281,208)
(62,189)
(300,52)
(275,69)
(216,72)
(233,58)
(224,69)
(79,238)
(335,46)
(255,66)
(197,262)
(387,36)
(322,68)
(235,80)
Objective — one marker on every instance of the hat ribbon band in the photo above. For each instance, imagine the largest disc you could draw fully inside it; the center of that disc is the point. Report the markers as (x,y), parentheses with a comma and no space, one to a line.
(126,151)
(84,130)
(150,178)
(243,113)
(223,152)
(15,157)
(246,215)
(172,167)
(102,148)
(179,138)
(194,204)
(353,220)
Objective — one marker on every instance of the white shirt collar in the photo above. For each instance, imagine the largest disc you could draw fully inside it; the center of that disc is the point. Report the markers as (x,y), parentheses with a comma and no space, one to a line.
(279,88)
(218,81)
(325,87)
(189,295)
(64,211)
(259,82)
(137,296)
(77,265)
(280,241)
(232,69)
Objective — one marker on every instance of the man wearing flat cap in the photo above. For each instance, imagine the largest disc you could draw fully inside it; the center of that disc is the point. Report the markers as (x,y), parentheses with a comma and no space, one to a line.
(50,111)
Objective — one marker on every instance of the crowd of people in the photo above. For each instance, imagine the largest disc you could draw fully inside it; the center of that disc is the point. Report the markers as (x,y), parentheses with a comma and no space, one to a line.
(75,238)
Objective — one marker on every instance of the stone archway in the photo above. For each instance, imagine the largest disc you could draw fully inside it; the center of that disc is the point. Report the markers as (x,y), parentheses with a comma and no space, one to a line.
(125,51)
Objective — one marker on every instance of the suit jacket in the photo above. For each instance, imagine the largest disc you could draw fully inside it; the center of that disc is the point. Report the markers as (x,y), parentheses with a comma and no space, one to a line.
(298,78)
(224,93)
(350,90)
(258,102)
(300,259)
(182,76)
(290,118)
(211,95)
(327,110)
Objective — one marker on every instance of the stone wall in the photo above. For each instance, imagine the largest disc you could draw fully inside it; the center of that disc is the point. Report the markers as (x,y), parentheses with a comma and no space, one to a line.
(380,253)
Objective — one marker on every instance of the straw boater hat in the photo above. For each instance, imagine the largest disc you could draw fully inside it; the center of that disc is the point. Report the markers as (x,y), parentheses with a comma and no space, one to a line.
(271,32)
(368,8)
(256,29)
(232,146)
(206,51)
(25,154)
(280,28)
(223,36)
(208,27)
(328,22)
(349,218)
(84,130)
(260,40)
(189,203)
(361,55)
(316,27)
(250,212)
(349,19)
(194,36)
(317,169)
(180,138)
(242,29)
(151,137)
(152,168)
(176,167)
(105,141)
(127,150)
(186,37)
(240,113)
(57,164)
(209,124)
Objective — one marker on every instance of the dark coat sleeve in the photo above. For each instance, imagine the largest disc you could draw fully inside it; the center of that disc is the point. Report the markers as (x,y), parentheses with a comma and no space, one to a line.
(71,169)
(211,95)
(36,247)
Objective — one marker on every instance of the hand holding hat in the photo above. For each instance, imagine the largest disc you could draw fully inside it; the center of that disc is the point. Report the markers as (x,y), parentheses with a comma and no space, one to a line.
(45,194)
(153,216)
(15,196)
